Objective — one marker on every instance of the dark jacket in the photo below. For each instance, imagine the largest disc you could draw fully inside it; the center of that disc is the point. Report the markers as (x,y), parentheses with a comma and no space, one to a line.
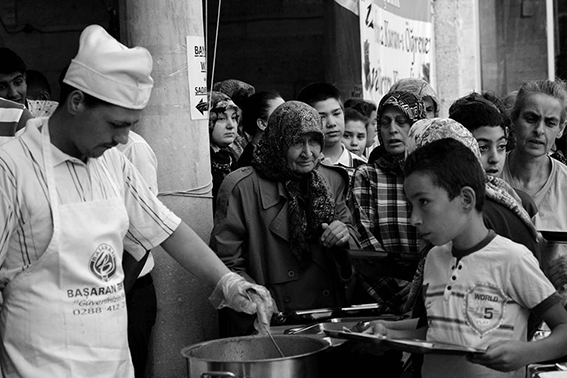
(251,236)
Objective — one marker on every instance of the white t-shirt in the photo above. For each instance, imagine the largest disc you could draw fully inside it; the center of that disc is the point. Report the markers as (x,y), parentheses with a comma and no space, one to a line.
(483,297)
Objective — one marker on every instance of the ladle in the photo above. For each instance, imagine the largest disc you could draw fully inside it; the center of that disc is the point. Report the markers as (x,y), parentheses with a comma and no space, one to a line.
(276,344)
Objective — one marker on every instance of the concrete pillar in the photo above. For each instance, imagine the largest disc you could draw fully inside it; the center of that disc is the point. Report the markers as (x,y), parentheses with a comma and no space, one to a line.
(185,316)
(457,52)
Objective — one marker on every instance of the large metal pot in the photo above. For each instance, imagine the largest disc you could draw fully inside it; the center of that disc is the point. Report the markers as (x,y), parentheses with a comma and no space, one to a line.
(255,357)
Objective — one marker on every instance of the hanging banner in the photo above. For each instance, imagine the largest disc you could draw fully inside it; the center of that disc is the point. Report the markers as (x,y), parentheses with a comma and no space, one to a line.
(396,42)
(197,76)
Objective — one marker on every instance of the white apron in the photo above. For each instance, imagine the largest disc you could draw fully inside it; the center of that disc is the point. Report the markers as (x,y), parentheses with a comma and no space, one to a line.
(65,315)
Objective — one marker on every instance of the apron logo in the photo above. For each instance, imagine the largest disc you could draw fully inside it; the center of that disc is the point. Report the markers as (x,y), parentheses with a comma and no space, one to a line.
(103,262)
(485,305)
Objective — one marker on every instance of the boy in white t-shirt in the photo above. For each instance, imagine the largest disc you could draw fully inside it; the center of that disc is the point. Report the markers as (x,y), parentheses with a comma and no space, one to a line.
(479,288)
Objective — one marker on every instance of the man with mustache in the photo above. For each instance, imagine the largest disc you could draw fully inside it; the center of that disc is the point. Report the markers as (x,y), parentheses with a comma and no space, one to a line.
(70,205)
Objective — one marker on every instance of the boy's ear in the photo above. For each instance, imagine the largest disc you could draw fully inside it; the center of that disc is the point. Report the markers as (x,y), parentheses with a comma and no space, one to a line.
(468,198)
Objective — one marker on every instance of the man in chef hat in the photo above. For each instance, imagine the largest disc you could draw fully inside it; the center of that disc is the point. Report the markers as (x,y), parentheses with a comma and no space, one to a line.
(70,205)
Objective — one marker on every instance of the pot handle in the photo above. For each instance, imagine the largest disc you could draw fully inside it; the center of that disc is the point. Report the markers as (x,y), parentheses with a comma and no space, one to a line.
(218,374)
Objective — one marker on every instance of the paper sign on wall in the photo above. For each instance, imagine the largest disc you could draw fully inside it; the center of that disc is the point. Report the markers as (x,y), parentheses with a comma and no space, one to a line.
(197,76)
(396,42)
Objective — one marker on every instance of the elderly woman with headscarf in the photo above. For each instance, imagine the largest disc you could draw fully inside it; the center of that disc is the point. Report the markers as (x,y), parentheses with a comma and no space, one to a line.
(381,213)
(223,123)
(282,221)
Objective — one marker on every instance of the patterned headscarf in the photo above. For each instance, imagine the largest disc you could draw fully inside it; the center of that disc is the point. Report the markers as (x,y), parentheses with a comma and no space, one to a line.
(313,205)
(418,87)
(428,130)
(219,103)
(237,90)
(414,109)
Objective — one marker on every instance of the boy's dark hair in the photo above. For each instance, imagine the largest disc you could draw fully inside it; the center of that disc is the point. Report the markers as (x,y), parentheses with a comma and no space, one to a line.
(354,115)
(363,106)
(451,166)
(37,83)
(10,62)
(256,106)
(317,92)
(474,111)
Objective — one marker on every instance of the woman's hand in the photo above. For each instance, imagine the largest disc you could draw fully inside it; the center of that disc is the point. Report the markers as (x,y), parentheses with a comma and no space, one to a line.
(503,355)
(335,234)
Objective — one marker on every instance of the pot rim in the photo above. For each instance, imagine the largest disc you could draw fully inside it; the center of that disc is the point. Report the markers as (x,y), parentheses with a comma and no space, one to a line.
(323,343)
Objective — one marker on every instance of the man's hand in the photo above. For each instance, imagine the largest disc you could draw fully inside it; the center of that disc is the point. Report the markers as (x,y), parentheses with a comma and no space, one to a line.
(235,292)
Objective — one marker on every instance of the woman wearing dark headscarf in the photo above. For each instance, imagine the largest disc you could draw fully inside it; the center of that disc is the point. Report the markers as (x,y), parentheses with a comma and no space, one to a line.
(239,92)
(223,123)
(423,90)
(281,221)
(380,211)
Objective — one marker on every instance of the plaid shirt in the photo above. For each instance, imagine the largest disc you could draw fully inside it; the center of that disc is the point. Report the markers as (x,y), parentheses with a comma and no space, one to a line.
(381,215)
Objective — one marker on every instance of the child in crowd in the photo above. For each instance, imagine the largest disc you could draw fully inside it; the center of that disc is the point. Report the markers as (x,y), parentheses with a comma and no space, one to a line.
(326,99)
(369,109)
(479,287)
(354,137)
(488,125)
(485,121)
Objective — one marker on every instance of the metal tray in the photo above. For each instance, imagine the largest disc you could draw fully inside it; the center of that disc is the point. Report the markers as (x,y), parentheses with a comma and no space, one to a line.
(554,236)
(324,314)
(406,345)
(356,324)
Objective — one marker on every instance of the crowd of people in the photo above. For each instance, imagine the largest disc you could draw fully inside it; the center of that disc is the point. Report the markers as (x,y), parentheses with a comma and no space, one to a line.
(307,192)
(456,203)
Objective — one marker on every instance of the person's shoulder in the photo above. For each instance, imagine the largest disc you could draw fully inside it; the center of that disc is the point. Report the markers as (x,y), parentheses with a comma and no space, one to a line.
(239,175)
(333,172)
(7,104)
(134,137)
(235,184)
(559,167)
(507,246)
(30,135)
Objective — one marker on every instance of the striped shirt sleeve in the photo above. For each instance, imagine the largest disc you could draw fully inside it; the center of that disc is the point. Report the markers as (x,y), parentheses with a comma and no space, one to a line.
(151,222)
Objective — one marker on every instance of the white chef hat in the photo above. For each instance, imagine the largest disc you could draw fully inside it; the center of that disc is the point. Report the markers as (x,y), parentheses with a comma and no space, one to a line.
(110,71)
